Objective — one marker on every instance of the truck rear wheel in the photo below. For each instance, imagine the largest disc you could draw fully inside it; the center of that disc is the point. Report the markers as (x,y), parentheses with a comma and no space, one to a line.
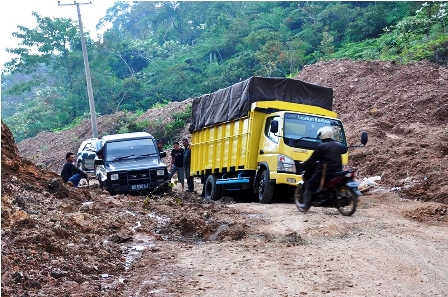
(265,188)
(212,191)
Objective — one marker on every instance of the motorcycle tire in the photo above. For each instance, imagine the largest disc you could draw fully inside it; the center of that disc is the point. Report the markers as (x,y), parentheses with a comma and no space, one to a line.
(347,201)
(298,198)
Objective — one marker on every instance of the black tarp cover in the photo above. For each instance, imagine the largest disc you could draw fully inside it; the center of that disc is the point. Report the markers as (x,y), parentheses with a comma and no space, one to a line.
(234,102)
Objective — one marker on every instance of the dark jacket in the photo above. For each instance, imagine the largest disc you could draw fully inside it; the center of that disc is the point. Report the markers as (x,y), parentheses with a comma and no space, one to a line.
(178,156)
(328,152)
(187,156)
(69,170)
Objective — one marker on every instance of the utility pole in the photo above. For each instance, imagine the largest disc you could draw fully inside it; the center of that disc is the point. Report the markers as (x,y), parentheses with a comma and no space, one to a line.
(86,68)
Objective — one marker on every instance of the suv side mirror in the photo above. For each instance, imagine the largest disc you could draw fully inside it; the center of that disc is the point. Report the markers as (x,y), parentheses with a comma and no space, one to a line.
(162,154)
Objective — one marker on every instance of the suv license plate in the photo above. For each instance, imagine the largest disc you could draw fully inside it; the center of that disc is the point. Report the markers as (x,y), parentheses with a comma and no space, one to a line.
(139,187)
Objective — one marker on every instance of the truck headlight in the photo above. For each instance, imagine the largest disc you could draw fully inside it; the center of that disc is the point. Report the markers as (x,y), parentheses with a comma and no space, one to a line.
(160,172)
(114,176)
(285,163)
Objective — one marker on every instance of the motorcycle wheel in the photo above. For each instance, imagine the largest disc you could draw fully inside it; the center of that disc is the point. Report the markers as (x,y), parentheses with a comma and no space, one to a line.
(347,201)
(298,197)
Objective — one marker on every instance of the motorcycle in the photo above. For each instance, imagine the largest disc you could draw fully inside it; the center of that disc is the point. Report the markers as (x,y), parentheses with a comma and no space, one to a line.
(341,191)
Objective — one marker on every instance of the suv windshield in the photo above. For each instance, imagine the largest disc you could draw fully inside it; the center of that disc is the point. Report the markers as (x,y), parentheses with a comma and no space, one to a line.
(301,130)
(128,149)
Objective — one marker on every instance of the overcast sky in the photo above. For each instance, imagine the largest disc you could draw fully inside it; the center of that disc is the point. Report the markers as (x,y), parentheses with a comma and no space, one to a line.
(18,12)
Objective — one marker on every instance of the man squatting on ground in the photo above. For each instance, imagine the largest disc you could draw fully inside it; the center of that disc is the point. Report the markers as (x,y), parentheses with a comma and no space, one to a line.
(70,174)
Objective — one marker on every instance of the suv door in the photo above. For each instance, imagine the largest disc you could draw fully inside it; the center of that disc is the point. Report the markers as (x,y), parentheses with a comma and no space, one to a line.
(87,154)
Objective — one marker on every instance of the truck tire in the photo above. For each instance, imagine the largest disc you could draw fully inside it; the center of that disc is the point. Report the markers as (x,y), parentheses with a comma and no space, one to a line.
(265,188)
(212,191)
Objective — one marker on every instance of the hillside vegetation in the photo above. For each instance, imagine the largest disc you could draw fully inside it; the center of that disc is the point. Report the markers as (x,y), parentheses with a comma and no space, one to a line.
(160,52)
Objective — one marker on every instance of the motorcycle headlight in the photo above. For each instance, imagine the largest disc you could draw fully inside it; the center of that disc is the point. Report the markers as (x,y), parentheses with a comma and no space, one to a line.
(285,163)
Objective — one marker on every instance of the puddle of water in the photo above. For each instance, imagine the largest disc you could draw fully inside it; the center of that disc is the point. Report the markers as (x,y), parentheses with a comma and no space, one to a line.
(131,213)
(133,252)
(159,219)
(139,224)
(254,216)
(220,229)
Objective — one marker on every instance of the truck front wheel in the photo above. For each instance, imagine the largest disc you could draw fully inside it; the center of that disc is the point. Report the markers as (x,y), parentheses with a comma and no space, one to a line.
(265,188)
(212,191)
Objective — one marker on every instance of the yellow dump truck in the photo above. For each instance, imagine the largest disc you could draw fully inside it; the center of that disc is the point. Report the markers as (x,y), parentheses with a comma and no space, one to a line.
(253,135)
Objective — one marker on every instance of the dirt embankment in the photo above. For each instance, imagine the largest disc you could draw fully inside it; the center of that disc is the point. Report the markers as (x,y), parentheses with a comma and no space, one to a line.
(404,108)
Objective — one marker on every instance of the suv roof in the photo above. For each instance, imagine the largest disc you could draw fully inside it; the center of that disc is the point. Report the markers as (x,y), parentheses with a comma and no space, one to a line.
(95,141)
(125,136)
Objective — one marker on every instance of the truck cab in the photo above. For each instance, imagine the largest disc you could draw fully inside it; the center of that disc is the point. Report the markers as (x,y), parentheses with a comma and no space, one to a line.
(289,138)
(131,163)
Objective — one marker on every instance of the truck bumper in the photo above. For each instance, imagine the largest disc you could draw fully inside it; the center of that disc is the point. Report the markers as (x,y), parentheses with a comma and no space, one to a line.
(286,178)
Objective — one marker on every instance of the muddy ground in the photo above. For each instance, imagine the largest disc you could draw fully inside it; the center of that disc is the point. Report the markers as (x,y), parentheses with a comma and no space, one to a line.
(63,241)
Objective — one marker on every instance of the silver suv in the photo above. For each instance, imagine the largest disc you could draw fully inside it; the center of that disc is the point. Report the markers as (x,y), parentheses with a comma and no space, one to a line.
(87,154)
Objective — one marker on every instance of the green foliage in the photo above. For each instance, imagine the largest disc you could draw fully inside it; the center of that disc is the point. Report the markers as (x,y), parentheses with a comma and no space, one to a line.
(413,38)
(37,117)
(51,37)
(167,131)
(134,126)
(160,104)
(159,52)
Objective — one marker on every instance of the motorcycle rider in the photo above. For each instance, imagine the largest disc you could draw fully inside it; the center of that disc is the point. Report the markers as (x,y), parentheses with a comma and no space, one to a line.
(328,152)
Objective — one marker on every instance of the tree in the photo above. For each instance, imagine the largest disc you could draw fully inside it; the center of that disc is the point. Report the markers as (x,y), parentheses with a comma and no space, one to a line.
(51,38)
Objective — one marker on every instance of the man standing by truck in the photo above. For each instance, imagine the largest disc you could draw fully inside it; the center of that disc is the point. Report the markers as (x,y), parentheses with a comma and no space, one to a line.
(177,163)
(187,159)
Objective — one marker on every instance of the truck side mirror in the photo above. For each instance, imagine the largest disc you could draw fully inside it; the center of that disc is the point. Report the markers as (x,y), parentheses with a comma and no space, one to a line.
(274,126)
(364,137)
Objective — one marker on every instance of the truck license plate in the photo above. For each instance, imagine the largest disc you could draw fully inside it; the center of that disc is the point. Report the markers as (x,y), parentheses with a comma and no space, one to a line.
(139,187)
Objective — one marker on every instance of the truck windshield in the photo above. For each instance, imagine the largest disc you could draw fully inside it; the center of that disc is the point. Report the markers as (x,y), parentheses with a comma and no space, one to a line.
(300,130)
(129,149)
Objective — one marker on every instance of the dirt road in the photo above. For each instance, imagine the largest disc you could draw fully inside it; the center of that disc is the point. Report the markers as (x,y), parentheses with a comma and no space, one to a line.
(382,250)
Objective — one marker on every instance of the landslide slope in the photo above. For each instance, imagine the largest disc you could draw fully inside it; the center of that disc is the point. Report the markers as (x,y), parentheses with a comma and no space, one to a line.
(404,108)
